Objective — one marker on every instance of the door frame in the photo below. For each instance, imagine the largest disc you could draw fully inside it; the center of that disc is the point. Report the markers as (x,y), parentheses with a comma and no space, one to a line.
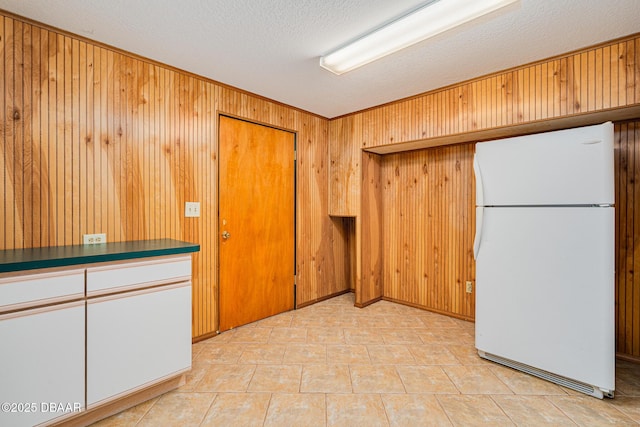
(220,114)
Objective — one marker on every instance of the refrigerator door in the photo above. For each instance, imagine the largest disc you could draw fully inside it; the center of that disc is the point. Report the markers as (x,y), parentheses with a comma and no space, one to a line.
(545,294)
(568,167)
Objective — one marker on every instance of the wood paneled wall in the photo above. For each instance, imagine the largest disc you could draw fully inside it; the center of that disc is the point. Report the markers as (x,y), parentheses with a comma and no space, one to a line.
(605,77)
(627,161)
(96,140)
(370,234)
(428,220)
(428,201)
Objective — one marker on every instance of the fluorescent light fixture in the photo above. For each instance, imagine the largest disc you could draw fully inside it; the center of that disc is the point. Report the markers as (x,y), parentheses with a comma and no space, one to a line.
(427,21)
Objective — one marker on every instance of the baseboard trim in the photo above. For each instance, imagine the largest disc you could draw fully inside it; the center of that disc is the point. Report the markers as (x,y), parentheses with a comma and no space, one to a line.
(111,408)
(204,337)
(628,358)
(315,301)
(422,307)
(364,304)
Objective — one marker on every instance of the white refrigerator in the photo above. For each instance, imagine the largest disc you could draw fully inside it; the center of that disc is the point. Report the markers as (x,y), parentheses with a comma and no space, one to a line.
(544,250)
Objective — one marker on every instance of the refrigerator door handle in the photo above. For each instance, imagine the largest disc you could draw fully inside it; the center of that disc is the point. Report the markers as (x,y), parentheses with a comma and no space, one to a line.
(478,237)
(479,186)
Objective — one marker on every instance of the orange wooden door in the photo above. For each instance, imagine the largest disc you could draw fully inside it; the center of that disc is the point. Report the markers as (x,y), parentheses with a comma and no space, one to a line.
(256,222)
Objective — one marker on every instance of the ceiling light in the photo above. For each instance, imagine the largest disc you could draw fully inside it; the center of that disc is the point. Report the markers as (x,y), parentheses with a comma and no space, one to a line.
(427,21)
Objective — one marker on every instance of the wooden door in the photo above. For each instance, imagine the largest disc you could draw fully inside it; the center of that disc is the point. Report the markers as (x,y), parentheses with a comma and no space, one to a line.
(256,222)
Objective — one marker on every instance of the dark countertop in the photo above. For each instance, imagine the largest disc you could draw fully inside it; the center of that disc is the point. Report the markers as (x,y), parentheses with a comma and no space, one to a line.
(60,256)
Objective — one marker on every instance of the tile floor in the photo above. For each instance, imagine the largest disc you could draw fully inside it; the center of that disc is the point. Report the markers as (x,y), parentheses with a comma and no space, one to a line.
(331,364)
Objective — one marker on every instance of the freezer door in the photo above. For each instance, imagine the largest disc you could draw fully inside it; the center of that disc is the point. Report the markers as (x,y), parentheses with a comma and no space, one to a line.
(568,167)
(545,290)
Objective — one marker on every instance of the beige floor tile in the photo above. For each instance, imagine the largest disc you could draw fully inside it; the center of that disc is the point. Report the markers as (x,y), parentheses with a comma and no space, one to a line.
(468,355)
(525,384)
(473,411)
(306,353)
(363,336)
(193,377)
(393,354)
(262,354)
(401,336)
(589,411)
(426,379)
(375,379)
(282,320)
(373,322)
(238,409)
(384,363)
(226,378)
(446,336)
(276,379)
(220,338)
(381,308)
(254,334)
(532,411)
(128,417)
(414,410)
(314,321)
(433,320)
(467,325)
(403,321)
(307,410)
(630,405)
(325,335)
(326,379)
(627,378)
(476,380)
(196,348)
(220,353)
(288,335)
(341,321)
(349,410)
(178,409)
(348,353)
(433,354)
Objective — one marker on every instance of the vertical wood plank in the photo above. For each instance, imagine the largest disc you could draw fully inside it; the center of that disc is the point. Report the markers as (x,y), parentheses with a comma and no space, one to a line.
(5,80)
(47,226)
(66,135)
(17,131)
(76,126)
(635,334)
(80,99)
(88,141)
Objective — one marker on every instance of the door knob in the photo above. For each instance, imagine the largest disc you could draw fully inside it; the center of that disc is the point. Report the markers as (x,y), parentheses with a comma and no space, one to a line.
(225,235)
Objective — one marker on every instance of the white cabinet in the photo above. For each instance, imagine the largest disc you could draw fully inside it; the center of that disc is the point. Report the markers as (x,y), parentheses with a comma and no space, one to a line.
(78,342)
(140,337)
(42,364)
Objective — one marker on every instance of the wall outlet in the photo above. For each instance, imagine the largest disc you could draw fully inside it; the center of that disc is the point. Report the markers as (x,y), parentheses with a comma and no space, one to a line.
(192,209)
(469,287)
(94,239)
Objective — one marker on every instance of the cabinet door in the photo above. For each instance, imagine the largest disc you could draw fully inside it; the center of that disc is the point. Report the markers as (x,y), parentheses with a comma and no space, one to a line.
(42,364)
(135,339)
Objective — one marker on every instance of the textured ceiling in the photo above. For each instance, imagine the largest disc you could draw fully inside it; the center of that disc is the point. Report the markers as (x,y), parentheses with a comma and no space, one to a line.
(272,48)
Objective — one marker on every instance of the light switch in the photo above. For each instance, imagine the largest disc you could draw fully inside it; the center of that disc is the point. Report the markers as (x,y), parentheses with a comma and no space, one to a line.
(192,209)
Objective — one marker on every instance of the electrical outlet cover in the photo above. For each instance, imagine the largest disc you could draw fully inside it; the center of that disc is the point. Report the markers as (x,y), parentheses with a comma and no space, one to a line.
(192,209)
(94,239)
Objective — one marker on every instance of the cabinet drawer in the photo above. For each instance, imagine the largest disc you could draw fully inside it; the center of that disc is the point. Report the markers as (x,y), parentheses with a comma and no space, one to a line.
(132,275)
(23,291)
